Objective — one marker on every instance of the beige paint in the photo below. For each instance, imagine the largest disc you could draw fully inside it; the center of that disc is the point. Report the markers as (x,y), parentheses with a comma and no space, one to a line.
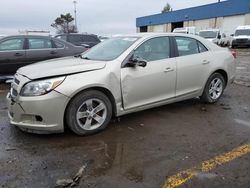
(169,27)
(247,19)
(219,22)
(139,88)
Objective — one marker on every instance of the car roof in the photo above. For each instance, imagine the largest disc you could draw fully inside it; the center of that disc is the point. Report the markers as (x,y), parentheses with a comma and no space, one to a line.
(38,36)
(209,30)
(243,27)
(76,34)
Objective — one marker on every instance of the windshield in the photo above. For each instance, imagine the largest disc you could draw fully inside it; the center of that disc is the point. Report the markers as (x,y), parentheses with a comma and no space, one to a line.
(242,32)
(208,34)
(109,49)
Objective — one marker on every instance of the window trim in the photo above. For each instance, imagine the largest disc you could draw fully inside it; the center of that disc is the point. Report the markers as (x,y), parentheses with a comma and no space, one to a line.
(172,51)
(197,41)
(23,47)
(31,49)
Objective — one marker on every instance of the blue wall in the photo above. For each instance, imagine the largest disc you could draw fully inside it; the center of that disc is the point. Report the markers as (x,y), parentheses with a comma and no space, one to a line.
(225,8)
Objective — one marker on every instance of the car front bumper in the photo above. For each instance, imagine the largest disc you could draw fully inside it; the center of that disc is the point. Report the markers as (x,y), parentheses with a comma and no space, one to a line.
(40,114)
(241,43)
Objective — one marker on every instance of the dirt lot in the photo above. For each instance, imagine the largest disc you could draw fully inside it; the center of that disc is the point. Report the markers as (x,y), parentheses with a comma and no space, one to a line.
(145,149)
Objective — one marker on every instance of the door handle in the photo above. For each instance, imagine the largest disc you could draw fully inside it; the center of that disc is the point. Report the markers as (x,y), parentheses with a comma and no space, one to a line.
(168,69)
(204,62)
(53,52)
(18,54)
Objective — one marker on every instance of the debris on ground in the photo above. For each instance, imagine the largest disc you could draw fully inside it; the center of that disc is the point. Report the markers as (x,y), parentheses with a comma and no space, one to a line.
(203,109)
(72,181)
(10,149)
(130,128)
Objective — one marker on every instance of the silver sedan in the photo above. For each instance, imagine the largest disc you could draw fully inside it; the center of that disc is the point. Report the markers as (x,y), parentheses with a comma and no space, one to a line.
(121,75)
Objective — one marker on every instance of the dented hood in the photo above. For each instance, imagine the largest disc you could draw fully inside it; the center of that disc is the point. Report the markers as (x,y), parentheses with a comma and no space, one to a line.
(60,66)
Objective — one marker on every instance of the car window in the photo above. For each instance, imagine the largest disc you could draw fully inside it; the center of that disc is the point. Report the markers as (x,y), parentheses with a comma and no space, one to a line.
(75,38)
(62,37)
(202,48)
(88,38)
(58,44)
(187,46)
(154,49)
(12,44)
(39,43)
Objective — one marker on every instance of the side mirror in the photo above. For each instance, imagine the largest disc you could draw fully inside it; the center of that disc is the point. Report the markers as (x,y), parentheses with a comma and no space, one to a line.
(137,61)
(219,36)
(232,35)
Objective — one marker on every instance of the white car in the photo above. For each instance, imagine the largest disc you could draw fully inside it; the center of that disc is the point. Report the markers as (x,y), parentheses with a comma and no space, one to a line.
(121,75)
(212,35)
(241,37)
(185,30)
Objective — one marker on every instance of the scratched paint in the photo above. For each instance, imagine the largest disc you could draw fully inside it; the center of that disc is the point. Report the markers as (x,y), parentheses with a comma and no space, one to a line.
(206,166)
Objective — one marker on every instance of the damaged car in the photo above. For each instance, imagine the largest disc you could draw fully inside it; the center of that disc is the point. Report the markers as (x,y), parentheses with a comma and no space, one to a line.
(121,75)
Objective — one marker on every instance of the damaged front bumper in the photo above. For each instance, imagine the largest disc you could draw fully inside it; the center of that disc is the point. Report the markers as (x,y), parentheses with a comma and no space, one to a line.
(40,114)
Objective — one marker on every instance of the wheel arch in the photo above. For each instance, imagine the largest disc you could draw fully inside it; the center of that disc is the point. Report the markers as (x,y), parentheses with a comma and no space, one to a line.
(223,73)
(104,90)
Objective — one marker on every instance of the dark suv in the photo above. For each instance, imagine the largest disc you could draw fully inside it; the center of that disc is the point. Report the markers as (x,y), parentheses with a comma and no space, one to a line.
(85,40)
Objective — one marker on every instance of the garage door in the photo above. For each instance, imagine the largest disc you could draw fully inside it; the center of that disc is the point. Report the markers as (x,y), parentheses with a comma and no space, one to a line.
(158,28)
(201,24)
(231,23)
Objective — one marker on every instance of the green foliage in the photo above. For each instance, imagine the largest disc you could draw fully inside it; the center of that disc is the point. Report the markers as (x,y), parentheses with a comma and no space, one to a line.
(167,8)
(63,24)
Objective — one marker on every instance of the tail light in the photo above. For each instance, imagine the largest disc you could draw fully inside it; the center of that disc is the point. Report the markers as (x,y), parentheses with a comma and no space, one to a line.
(233,53)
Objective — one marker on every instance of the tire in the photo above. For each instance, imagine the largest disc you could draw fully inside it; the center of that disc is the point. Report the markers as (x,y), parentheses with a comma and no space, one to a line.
(82,115)
(211,93)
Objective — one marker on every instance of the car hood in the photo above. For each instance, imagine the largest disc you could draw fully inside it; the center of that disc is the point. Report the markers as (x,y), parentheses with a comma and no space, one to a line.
(60,66)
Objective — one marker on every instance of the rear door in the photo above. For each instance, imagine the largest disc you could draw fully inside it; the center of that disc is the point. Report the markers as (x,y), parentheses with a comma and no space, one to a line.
(39,49)
(193,64)
(12,55)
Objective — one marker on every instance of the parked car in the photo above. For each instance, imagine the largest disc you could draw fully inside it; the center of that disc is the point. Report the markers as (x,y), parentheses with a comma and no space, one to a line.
(241,37)
(118,76)
(186,30)
(212,35)
(225,40)
(85,40)
(21,50)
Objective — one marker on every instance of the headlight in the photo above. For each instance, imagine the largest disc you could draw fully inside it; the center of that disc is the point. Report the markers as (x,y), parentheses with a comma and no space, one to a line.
(41,87)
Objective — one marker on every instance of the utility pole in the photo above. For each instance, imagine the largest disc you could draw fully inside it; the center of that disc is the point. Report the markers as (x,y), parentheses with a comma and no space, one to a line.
(75,2)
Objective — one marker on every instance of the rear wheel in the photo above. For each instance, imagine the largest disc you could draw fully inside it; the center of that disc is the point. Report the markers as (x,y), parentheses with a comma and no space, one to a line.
(89,112)
(214,88)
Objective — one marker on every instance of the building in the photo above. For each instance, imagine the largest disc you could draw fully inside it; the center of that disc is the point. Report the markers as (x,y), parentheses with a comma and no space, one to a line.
(226,16)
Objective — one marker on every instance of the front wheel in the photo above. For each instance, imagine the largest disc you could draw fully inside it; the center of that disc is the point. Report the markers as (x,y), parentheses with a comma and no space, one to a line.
(89,112)
(214,88)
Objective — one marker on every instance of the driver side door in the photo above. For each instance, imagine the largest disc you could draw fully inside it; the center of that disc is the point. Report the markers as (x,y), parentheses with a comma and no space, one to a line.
(155,82)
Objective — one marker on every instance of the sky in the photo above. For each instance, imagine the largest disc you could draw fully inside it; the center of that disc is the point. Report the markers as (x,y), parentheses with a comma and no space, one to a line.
(102,17)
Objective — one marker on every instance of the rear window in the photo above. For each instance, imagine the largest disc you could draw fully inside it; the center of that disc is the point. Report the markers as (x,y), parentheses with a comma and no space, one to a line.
(89,38)
(189,46)
(75,38)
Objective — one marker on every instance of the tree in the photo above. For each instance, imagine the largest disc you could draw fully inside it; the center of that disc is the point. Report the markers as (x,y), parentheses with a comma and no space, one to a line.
(63,24)
(167,8)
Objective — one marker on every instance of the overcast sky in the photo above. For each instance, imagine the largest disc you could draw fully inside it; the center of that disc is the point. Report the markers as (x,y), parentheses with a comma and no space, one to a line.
(93,16)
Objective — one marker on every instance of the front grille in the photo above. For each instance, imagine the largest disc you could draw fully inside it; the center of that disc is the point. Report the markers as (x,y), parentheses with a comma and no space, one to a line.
(13,93)
(14,86)
(16,81)
(241,40)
